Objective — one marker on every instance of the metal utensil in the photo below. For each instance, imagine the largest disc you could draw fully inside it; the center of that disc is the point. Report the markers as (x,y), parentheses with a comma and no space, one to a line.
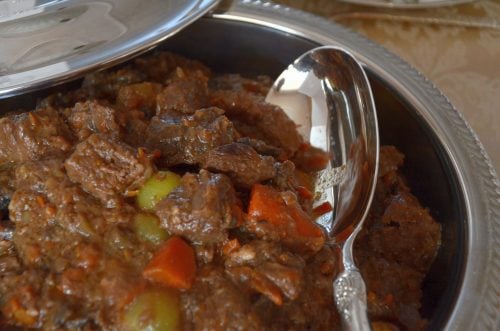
(326,92)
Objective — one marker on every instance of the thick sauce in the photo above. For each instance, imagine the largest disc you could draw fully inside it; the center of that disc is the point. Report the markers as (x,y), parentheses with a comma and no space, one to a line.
(162,196)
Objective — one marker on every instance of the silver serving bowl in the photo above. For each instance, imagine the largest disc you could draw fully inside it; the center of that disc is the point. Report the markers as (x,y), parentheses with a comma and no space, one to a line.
(445,163)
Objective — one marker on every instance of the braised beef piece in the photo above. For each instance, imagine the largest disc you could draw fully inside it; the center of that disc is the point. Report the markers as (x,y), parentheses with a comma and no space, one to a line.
(285,176)
(6,185)
(94,116)
(395,268)
(139,96)
(215,303)
(390,161)
(102,85)
(404,216)
(267,269)
(51,215)
(255,118)
(235,82)
(90,255)
(159,66)
(187,139)
(9,263)
(241,163)
(34,174)
(303,312)
(33,136)
(262,148)
(106,84)
(184,94)
(106,168)
(200,209)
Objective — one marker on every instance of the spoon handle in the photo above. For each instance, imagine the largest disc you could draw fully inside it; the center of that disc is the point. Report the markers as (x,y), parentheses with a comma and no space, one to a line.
(350,297)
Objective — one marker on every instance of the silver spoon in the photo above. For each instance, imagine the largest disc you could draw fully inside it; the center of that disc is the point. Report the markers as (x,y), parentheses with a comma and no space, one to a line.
(326,92)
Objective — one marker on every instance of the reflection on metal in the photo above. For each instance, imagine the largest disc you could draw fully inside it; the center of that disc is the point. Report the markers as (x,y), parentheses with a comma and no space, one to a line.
(326,92)
(46,42)
(43,39)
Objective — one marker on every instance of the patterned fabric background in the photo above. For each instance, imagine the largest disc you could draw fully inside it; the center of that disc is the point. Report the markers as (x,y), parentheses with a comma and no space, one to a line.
(456,47)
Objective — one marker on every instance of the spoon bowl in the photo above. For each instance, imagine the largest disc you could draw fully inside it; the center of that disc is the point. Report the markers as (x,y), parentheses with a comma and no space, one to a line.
(327,94)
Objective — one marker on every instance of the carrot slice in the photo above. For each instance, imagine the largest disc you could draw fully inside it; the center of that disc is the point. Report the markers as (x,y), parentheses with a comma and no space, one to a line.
(324,208)
(267,204)
(174,265)
(304,192)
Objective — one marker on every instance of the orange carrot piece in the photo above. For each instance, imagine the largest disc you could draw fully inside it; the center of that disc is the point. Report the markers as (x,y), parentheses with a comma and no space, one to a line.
(344,234)
(324,208)
(304,192)
(267,204)
(303,223)
(174,265)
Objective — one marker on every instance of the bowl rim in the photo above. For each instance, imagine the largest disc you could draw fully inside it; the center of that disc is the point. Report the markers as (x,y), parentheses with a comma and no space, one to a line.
(476,306)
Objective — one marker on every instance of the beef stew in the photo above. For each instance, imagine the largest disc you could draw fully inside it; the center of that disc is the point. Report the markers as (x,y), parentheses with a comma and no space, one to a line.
(161,195)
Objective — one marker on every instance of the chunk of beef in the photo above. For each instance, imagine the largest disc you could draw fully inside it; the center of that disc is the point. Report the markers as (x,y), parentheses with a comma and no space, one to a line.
(262,148)
(395,268)
(159,66)
(395,291)
(135,128)
(34,174)
(107,168)
(183,94)
(285,176)
(268,269)
(94,116)
(6,185)
(52,215)
(200,209)
(9,262)
(60,229)
(139,96)
(404,217)
(45,235)
(315,296)
(19,293)
(390,160)
(215,303)
(235,82)
(106,84)
(241,163)
(187,139)
(255,118)
(33,136)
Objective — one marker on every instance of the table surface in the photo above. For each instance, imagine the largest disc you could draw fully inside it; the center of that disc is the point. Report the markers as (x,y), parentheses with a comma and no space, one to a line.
(456,47)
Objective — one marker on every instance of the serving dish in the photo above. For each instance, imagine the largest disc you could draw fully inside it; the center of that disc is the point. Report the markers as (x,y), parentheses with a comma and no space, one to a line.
(446,164)
(408,4)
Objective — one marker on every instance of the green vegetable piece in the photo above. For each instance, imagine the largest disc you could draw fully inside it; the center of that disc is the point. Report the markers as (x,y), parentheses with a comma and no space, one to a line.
(147,227)
(156,188)
(153,310)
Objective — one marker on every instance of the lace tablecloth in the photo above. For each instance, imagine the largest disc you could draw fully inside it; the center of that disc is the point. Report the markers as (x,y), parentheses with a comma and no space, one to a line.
(456,47)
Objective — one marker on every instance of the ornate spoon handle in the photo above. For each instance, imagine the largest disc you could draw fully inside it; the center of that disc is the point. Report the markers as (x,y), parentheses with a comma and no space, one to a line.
(350,297)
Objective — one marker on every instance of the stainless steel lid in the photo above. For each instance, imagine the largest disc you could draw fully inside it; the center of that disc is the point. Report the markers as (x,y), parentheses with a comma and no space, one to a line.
(408,4)
(45,42)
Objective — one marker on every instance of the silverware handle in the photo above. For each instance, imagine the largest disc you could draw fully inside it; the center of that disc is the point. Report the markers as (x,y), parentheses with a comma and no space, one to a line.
(350,297)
